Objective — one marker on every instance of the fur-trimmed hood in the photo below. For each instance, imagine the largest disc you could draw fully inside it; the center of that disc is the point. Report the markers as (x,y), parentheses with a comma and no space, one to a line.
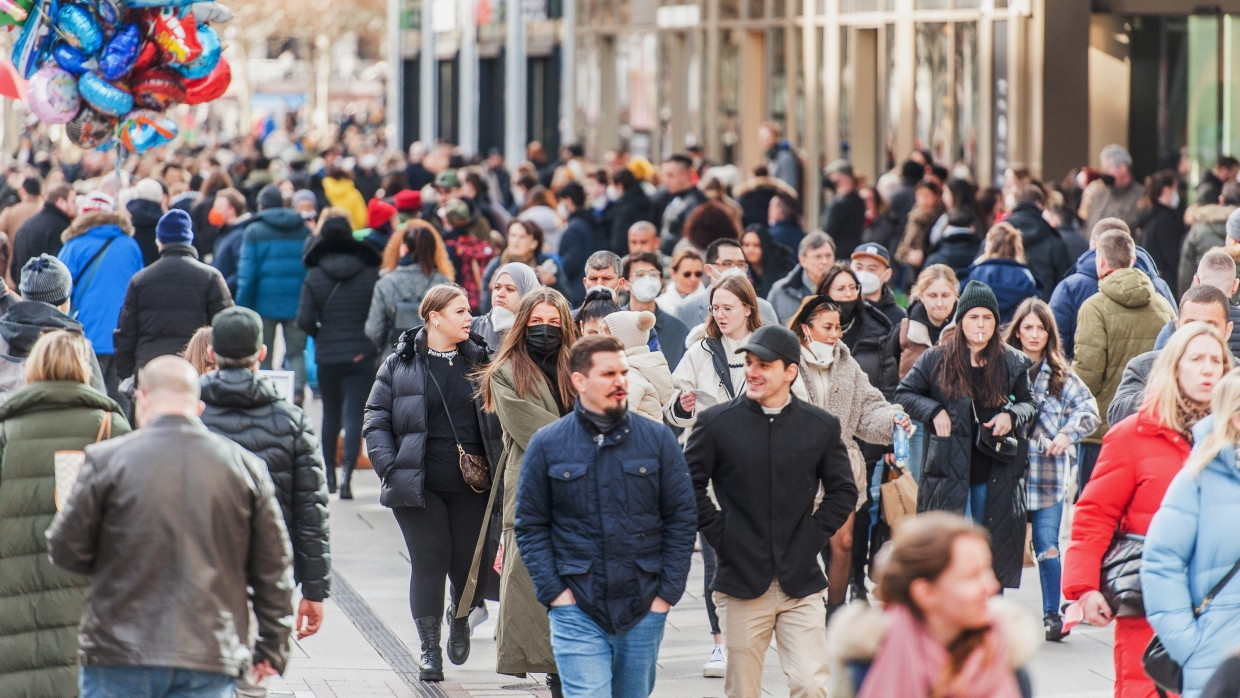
(857,631)
(1212,213)
(85,222)
(755,183)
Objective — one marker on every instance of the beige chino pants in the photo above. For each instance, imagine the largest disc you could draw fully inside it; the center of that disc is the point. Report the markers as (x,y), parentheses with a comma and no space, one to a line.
(800,629)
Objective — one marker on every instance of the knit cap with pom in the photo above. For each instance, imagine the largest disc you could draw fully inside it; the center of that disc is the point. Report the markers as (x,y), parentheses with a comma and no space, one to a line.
(632,328)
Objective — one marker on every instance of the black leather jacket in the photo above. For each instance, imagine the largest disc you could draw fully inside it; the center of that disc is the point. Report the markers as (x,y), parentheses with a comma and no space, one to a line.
(173,523)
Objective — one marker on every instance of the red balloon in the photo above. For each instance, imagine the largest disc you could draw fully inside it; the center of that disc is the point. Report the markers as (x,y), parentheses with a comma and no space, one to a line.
(157,88)
(210,87)
(147,56)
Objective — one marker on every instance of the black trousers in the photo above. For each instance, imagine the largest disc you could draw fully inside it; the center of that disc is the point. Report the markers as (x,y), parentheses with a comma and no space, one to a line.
(344,389)
(440,538)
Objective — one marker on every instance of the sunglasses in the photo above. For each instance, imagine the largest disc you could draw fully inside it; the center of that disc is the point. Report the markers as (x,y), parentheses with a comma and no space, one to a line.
(694,274)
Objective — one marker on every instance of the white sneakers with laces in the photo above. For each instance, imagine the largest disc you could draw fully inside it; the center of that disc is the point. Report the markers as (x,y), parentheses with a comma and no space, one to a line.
(717,665)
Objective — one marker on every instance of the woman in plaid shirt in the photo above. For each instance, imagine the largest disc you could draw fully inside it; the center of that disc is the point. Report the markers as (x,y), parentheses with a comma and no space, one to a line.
(1066,413)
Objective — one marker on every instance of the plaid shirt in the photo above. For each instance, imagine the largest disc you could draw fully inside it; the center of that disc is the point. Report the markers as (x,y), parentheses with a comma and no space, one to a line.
(1075,413)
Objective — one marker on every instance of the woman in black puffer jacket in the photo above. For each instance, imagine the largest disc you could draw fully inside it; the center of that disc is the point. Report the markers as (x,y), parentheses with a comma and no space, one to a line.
(335,301)
(421,410)
(866,330)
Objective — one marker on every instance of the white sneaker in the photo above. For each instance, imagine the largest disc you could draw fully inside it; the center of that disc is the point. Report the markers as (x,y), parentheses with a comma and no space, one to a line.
(717,665)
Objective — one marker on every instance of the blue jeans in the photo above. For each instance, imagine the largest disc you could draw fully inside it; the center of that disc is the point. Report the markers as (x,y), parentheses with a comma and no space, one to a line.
(1046,537)
(917,450)
(152,682)
(597,664)
(976,507)
(1086,457)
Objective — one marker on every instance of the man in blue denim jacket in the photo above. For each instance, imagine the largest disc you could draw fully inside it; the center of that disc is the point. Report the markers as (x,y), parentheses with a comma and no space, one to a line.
(606,519)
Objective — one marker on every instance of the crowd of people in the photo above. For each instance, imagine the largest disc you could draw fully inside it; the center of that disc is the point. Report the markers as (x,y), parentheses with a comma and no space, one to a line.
(569,376)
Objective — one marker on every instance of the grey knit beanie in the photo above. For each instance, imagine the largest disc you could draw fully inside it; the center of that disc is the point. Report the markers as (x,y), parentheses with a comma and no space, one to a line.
(46,279)
(1233,226)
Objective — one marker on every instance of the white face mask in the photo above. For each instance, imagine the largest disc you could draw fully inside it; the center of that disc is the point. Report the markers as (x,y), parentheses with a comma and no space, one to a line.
(612,192)
(730,271)
(647,288)
(825,353)
(562,208)
(502,318)
(1175,201)
(870,283)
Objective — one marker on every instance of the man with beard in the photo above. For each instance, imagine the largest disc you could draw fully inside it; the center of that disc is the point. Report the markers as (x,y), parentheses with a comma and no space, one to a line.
(605,523)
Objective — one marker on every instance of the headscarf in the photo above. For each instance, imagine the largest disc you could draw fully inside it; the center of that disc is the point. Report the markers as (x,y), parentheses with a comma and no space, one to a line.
(523,276)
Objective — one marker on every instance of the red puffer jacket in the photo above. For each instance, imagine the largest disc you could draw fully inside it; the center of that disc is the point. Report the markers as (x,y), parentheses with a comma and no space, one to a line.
(1139,458)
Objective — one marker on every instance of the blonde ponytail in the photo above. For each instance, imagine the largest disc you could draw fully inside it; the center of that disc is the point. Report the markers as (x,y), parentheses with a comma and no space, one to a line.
(1224,405)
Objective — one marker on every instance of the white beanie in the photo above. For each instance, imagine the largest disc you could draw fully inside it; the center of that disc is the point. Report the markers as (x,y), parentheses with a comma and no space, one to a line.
(632,328)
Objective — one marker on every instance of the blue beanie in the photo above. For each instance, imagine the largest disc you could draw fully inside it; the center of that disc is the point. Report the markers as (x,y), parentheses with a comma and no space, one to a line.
(175,226)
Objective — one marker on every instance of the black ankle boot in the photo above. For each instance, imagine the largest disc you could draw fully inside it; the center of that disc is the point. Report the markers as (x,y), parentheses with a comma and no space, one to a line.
(458,637)
(553,683)
(331,479)
(346,479)
(432,655)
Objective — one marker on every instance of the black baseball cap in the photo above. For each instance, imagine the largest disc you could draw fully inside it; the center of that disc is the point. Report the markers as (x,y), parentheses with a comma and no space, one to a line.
(771,342)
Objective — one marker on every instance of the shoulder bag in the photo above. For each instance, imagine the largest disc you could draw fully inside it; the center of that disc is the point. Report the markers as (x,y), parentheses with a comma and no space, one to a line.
(474,469)
(1167,673)
(1001,448)
(1121,575)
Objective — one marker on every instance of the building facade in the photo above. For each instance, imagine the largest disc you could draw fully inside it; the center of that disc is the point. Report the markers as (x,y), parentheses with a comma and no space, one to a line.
(984,83)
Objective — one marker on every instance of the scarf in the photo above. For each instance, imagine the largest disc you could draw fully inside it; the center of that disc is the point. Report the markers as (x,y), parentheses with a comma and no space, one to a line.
(910,662)
(1189,413)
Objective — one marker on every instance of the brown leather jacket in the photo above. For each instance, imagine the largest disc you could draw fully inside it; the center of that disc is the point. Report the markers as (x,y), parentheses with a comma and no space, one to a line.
(173,523)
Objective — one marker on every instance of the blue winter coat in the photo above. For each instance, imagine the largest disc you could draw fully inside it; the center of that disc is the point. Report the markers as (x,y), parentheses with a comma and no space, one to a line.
(1083,283)
(582,238)
(270,272)
(99,289)
(1011,281)
(1190,546)
(612,519)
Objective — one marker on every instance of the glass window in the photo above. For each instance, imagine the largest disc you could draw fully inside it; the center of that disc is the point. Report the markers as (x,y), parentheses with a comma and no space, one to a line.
(729,93)
(778,80)
(893,102)
(729,9)
(1002,102)
(933,4)
(967,108)
(859,6)
(931,95)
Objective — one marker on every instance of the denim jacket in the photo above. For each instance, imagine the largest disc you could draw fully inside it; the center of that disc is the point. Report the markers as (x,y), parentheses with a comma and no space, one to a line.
(1075,413)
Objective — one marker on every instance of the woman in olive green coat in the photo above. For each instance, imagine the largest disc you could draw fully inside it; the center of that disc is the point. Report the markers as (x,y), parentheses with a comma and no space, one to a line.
(41,604)
(527,386)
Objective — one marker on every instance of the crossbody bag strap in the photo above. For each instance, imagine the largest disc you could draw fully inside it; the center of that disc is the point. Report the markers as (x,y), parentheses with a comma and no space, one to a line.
(1209,597)
(91,262)
(446,410)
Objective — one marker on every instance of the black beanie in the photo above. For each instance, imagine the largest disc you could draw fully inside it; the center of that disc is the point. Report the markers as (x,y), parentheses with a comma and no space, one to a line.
(976,295)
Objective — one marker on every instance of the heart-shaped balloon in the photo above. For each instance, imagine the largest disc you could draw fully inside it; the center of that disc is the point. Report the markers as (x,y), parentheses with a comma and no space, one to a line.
(91,128)
(53,95)
(210,87)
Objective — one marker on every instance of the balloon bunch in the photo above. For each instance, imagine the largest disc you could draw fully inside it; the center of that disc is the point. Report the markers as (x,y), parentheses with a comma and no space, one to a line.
(112,68)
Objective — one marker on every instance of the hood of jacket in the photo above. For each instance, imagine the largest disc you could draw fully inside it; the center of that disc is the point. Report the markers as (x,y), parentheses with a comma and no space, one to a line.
(143,213)
(238,387)
(337,188)
(1130,288)
(413,341)
(767,183)
(283,219)
(341,258)
(1212,213)
(25,321)
(957,234)
(98,219)
(45,396)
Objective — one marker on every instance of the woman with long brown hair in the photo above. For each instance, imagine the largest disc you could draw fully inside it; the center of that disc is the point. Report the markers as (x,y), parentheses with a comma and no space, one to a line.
(973,391)
(1067,412)
(941,632)
(527,387)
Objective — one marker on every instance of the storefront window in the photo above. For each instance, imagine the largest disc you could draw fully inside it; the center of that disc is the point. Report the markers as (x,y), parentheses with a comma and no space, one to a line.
(931,94)
(967,109)
(729,9)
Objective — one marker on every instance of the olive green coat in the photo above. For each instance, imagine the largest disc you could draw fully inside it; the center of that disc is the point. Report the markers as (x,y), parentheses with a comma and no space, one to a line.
(41,604)
(523,641)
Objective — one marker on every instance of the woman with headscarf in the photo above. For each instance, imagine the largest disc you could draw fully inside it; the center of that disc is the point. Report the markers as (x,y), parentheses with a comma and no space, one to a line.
(509,283)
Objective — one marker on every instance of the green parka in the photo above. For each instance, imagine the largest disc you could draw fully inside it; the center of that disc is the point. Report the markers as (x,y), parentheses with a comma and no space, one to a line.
(40,603)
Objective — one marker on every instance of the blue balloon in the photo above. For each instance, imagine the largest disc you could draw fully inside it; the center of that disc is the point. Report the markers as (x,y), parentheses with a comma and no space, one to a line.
(118,57)
(80,28)
(34,44)
(104,96)
(72,59)
(143,4)
(111,12)
(206,61)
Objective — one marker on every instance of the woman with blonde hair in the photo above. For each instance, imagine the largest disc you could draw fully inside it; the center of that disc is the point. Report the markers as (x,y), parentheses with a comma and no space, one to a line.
(1003,267)
(1191,548)
(942,631)
(1139,458)
(41,604)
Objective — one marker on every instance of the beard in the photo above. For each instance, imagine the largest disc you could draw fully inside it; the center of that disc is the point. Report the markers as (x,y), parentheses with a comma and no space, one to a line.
(618,411)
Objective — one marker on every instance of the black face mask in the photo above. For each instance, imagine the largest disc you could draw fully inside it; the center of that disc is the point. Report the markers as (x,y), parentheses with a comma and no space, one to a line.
(1108,180)
(543,340)
(848,309)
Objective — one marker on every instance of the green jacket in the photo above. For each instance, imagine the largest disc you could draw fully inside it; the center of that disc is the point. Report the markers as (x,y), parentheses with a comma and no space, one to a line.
(41,604)
(1118,322)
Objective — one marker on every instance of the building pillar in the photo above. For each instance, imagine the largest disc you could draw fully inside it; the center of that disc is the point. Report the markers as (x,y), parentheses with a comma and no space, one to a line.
(1110,76)
(427,64)
(753,101)
(470,89)
(395,108)
(812,139)
(906,80)
(515,95)
(568,73)
(607,127)
(1062,141)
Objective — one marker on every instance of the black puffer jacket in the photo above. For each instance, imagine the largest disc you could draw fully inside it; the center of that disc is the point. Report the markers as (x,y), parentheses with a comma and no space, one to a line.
(872,351)
(335,299)
(395,427)
(945,472)
(245,407)
(145,216)
(165,304)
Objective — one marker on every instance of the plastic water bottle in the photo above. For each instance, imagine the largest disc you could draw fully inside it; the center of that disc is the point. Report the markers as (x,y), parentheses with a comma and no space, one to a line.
(899,438)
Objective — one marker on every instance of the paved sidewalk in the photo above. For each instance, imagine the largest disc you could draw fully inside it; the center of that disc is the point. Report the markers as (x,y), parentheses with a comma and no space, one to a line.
(368,644)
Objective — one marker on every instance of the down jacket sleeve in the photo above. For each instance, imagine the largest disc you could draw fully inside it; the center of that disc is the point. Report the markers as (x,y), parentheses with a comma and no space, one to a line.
(377,428)
(247,271)
(1165,563)
(377,322)
(310,531)
(125,337)
(1098,513)
(1091,347)
(916,390)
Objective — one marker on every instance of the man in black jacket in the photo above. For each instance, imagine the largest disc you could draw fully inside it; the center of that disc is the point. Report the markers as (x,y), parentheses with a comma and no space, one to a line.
(765,454)
(169,300)
(1044,247)
(245,407)
(41,233)
(678,198)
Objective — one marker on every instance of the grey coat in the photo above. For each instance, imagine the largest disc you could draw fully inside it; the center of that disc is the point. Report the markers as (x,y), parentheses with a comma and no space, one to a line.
(406,284)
